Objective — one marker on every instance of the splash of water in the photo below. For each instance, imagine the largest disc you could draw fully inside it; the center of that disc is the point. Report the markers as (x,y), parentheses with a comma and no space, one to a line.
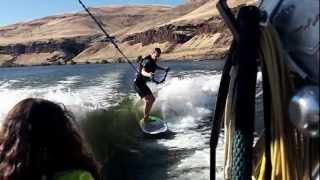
(187,103)
(79,100)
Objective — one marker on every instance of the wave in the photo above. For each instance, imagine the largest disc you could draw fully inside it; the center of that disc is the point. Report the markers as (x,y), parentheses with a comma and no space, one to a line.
(109,119)
(109,130)
(76,94)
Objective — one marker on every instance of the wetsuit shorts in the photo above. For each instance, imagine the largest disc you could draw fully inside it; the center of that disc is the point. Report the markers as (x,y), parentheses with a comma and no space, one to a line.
(140,83)
(142,89)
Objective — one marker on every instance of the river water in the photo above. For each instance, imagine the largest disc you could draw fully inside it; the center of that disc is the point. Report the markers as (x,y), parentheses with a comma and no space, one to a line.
(186,101)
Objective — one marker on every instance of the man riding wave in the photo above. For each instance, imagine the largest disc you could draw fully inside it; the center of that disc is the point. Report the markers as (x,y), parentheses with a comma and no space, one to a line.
(147,69)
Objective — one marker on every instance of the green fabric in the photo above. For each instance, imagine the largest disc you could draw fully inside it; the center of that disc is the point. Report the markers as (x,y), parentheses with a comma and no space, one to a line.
(153,119)
(74,175)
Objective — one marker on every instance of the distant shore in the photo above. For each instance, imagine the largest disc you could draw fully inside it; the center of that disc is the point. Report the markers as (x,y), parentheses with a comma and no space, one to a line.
(70,63)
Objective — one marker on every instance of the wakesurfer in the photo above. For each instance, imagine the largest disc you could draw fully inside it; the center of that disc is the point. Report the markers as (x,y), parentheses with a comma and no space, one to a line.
(148,66)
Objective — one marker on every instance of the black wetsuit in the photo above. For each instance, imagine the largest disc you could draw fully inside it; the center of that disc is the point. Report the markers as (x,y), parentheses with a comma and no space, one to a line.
(140,86)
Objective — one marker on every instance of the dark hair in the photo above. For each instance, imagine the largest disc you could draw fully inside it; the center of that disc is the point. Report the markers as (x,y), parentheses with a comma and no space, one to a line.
(158,50)
(139,59)
(40,139)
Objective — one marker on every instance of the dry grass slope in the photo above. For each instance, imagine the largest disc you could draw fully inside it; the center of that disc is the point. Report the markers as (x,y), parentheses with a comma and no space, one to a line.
(120,21)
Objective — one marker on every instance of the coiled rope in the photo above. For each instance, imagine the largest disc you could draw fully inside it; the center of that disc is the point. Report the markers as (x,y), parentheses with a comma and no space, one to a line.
(285,145)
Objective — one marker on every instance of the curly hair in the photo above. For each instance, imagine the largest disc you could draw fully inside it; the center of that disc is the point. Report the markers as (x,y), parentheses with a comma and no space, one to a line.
(40,139)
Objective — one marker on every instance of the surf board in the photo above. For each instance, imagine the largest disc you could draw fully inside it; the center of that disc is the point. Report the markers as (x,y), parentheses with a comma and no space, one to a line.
(155,125)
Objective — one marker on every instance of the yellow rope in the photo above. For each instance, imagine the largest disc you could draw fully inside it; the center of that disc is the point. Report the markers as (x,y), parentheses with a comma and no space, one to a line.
(284,157)
(290,150)
(229,125)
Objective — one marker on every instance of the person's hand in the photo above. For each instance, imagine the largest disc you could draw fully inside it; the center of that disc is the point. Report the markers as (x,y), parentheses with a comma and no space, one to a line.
(167,69)
(152,78)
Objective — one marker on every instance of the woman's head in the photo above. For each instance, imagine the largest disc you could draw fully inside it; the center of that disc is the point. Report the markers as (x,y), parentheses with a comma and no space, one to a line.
(41,138)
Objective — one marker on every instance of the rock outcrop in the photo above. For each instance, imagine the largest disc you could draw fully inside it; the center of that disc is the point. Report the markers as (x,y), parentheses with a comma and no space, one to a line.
(196,1)
(168,33)
(178,34)
(68,46)
(62,50)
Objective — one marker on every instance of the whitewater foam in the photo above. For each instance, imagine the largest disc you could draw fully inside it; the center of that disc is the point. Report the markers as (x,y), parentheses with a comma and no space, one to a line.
(186,101)
(79,101)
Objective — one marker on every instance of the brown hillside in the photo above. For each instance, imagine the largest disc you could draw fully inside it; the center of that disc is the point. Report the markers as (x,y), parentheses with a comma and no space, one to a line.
(118,20)
(190,31)
(79,24)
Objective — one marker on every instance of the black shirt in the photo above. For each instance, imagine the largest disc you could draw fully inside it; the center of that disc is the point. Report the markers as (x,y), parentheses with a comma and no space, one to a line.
(149,65)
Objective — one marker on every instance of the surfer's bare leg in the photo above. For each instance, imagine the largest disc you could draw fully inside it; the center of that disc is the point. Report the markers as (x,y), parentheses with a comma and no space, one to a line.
(148,102)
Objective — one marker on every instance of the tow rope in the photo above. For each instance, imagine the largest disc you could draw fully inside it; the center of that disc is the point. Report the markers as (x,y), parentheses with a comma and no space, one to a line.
(109,38)
(157,79)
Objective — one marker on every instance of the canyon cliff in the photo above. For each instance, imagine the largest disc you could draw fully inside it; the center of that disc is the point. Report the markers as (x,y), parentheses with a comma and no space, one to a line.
(193,30)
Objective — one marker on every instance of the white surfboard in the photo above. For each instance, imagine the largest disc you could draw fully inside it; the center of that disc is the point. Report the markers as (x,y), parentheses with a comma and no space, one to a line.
(155,125)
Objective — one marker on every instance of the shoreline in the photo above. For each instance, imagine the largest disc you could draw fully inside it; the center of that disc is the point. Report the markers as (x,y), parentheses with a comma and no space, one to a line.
(107,62)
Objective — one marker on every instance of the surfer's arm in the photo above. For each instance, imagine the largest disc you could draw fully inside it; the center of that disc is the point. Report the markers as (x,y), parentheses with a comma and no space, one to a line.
(146,74)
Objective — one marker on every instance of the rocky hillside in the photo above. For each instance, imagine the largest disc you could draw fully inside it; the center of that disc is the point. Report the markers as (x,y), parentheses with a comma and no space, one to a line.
(190,31)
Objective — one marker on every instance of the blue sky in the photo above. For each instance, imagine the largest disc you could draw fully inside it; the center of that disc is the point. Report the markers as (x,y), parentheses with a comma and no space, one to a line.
(12,11)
